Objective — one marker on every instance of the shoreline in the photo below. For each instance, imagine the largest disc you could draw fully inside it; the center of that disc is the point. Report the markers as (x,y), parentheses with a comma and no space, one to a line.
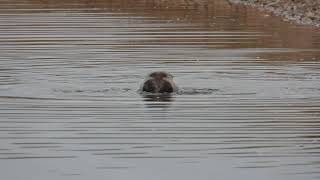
(302,12)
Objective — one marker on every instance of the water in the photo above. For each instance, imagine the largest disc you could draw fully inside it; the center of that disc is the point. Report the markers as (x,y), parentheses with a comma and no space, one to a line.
(248,105)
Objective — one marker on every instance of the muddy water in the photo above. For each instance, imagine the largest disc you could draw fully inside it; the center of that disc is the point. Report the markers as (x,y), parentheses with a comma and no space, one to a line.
(248,105)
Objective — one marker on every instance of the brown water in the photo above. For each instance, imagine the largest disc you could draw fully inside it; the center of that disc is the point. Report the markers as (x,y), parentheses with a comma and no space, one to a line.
(248,105)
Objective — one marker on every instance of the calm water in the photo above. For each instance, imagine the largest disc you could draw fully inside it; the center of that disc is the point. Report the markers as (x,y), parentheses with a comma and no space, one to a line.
(248,106)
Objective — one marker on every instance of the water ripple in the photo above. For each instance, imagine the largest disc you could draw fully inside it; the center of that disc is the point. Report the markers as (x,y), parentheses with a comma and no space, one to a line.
(70,104)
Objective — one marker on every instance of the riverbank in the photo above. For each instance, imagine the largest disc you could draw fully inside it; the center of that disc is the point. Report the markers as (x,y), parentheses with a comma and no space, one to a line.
(306,12)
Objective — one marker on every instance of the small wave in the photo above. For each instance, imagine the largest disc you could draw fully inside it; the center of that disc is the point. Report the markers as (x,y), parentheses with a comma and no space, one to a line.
(181,91)
(197,91)
(106,90)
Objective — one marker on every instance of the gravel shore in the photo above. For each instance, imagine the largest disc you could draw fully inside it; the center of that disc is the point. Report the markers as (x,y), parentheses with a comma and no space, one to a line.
(306,12)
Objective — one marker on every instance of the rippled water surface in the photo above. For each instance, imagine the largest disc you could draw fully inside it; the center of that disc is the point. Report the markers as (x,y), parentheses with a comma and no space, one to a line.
(248,105)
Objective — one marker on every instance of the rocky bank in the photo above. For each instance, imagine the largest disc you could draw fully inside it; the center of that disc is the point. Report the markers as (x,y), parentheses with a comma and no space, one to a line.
(306,12)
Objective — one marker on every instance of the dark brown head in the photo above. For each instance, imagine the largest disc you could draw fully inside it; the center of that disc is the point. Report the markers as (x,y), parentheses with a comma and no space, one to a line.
(159,82)
(160,75)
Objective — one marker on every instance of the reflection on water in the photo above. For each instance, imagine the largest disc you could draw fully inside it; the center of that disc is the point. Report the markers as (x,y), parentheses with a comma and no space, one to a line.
(69,107)
(158,97)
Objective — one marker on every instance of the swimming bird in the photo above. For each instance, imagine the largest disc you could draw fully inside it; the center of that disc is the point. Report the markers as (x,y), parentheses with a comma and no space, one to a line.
(159,82)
